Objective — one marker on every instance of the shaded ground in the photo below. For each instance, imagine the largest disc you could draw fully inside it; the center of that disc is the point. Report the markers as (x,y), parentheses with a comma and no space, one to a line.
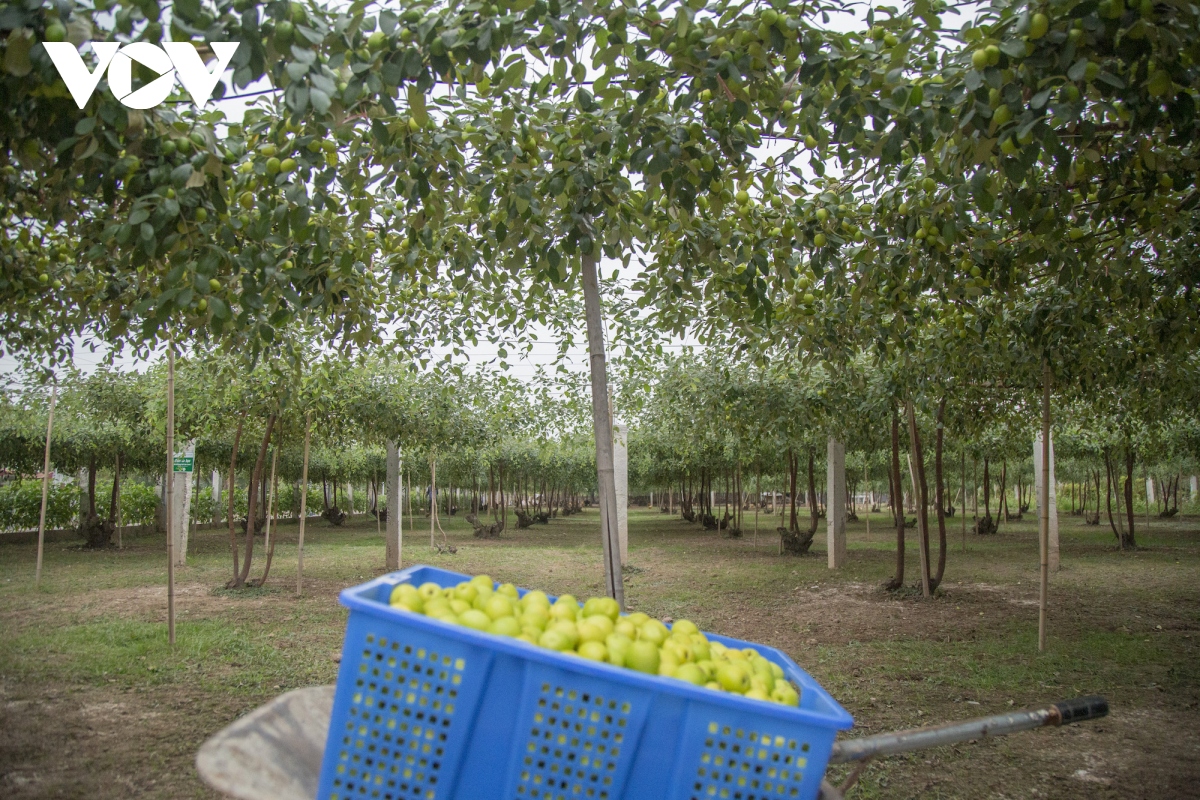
(94,703)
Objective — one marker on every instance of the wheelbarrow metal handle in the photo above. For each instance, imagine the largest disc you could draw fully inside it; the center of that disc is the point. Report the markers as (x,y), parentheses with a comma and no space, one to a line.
(1063,713)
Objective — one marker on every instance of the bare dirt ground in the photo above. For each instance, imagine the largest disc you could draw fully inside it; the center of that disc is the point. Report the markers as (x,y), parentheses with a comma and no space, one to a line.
(93,703)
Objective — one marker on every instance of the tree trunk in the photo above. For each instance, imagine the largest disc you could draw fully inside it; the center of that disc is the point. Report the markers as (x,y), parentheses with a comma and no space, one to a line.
(251,503)
(793,468)
(272,518)
(602,429)
(232,491)
(987,491)
(1129,495)
(897,503)
(922,492)
(37,580)
(813,516)
(304,505)
(939,497)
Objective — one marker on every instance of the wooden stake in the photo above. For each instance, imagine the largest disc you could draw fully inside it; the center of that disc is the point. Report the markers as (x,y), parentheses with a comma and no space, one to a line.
(1044,508)
(304,504)
(37,580)
(170,490)
(432,499)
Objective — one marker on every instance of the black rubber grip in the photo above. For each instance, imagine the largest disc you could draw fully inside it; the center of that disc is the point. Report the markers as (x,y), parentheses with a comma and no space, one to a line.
(1080,709)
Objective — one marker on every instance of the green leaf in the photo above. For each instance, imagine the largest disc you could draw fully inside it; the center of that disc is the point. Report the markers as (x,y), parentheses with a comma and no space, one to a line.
(416,105)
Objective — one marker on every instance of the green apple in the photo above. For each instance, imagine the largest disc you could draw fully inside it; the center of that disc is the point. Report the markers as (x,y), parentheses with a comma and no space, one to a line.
(643,656)
(691,673)
(474,618)
(593,651)
(505,626)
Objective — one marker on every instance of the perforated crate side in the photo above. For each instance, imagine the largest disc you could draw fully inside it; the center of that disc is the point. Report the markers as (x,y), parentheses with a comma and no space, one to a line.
(399,731)
(576,737)
(725,755)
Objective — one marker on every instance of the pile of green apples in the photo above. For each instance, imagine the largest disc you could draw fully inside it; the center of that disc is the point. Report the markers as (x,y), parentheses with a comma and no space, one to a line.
(597,631)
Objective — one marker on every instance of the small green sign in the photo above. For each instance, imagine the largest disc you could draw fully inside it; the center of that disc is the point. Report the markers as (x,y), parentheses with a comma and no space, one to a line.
(185,461)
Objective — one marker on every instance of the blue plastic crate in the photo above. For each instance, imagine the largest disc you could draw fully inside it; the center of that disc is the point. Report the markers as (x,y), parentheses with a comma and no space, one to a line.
(426,710)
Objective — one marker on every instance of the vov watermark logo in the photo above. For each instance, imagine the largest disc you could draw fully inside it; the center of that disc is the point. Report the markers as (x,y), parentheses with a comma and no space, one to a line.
(172,59)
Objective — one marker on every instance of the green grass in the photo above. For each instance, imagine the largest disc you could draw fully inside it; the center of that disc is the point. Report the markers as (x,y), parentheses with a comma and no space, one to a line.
(93,636)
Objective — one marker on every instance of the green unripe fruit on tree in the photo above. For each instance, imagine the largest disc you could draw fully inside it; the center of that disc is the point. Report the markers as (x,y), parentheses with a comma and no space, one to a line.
(287,165)
(1002,115)
(376,41)
(197,138)
(201,214)
(43,278)
(810,142)
(994,97)
(1075,35)
(170,193)
(819,240)
(202,305)
(1159,84)
(993,55)
(929,184)
(1025,138)
(1070,93)
(915,96)
(284,33)
(742,197)
(1008,146)
(214,285)
(1091,72)
(1039,25)
(268,149)
(1146,9)
(247,200)
(184,146)
(413,125)
(822,214)
(979,59)
(1166,181)
(890,39)
(56,32)
(169,147)
(273,165)
(1076,234)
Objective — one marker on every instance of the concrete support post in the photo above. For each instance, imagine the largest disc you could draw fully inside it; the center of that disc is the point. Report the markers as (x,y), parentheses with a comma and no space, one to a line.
(181,508)
(835,504)
(218,516)
(1053,503)
(621,475)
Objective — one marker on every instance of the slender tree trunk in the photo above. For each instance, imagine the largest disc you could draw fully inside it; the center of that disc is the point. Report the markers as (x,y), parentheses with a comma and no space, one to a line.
(37,580)
(252,500)
(232,491)
(793,468)
(897,503)
(812,494)
(304,504)
(1129,495)
(987,491)
(272,517)
(939,497)
(602,428)
(169,491)
(114,503)
(922,492)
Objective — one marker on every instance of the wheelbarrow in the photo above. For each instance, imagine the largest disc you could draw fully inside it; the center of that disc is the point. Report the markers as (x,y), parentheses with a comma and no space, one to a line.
(275,752)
